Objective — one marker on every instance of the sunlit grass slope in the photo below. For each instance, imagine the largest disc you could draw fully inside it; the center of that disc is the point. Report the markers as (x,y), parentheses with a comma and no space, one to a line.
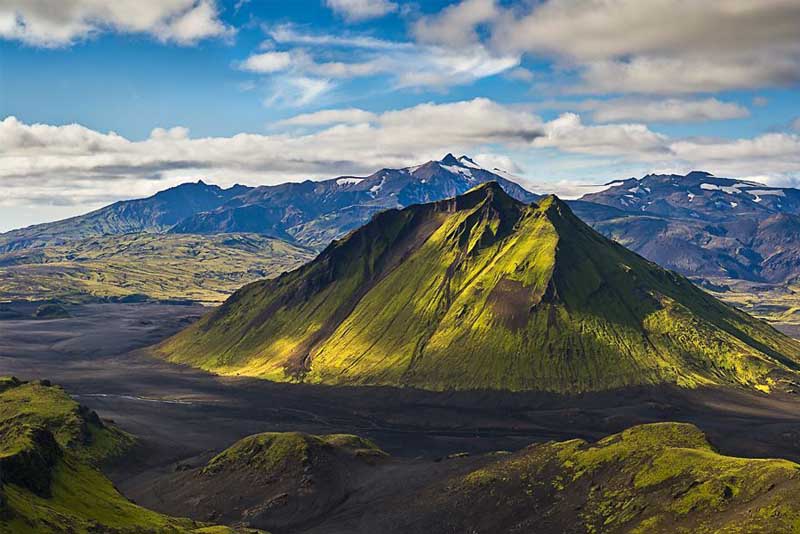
(49,481)
(161,266)
(482,291)
(649,479)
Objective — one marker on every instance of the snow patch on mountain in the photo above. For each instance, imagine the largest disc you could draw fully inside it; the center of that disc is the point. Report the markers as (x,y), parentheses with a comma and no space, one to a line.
(455,169)
(349,181)
(467,162)
(765,192)
(376,188)
(731,190)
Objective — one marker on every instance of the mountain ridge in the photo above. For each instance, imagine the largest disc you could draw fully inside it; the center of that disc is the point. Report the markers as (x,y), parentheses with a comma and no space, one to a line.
(701,225)
(310,213)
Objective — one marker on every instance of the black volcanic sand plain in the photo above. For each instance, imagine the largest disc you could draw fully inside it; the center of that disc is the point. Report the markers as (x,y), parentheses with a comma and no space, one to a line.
(183,417)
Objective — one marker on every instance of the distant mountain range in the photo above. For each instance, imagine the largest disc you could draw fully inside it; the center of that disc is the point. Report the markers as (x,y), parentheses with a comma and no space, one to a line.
(698,225)
(310,213)
(155,214)
(483,291)
(701,225)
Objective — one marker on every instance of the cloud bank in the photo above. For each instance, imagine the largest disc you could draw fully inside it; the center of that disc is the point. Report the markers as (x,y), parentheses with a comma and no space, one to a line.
(71,164)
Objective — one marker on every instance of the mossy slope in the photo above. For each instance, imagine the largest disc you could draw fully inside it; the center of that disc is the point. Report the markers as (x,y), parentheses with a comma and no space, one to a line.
(482,291)
(49,483)
(656,478)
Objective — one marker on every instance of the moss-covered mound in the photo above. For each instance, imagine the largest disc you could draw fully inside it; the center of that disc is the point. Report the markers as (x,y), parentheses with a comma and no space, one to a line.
(49,482)
(277,453)
(280,481)
(482,291)
(650,479)
(40,405)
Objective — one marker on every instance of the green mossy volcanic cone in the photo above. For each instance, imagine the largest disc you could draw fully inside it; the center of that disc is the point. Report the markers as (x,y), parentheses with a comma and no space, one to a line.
(484,292)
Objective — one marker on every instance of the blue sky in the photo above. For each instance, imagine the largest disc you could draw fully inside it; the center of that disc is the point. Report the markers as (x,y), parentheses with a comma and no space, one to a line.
(106,102)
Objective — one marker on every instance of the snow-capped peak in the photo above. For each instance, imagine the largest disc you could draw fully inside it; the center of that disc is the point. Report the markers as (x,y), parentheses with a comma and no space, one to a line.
(468,162)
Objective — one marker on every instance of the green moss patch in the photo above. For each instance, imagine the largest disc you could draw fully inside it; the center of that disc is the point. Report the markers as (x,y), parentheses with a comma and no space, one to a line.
(656,478)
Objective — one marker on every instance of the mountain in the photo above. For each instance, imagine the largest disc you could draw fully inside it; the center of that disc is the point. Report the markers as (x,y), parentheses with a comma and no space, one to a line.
(153,214)
(200,242)
(701,225)
(310,213)
(699,195)
(315,213)
(483,291)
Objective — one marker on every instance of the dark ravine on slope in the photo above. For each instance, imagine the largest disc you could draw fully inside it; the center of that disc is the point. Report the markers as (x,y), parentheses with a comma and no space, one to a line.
(483,291)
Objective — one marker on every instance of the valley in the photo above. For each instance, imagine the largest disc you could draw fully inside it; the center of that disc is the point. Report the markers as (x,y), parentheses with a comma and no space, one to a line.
(183,417)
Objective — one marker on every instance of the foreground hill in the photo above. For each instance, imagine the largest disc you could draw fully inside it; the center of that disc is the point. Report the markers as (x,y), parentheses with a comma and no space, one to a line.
(274,480)
(145,265)
(657,478)
(49,481)
(483,291)
(653,478)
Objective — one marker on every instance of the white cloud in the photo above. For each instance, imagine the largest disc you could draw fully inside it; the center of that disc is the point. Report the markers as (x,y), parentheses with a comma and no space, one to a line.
(45,164)
(53,24)
(330,116)
(343,57)
(638,46)
(267,62)
(497,162)
(71,164)
(700,74)
(520,74)
(568,133)
(774,156)
(358,10)
(288,34)
(297,90)
(603,29)
(666,110)
(456,24)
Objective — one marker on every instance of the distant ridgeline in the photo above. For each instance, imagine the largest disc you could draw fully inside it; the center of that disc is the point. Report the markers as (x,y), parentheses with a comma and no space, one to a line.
(484,291)
(309,213)
(701,225)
